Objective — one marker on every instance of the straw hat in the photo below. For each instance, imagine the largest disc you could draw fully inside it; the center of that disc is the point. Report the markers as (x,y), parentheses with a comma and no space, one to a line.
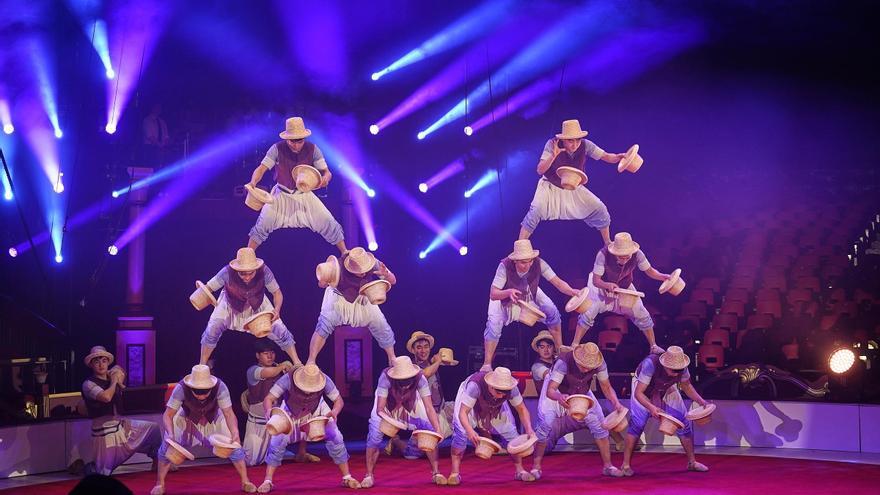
(616,420)
(447,357)
(522,250)
(623,244)
(631,161)
(487,448)
(376,291)
(295,128)
(500,378)
(402,368)
(571,178)
(542,335)
(522,446)
(528,313)
(580,302)
(701,415)
(245,260)
(427,439)
(256,197)
(223,445)
(309,378)
(316,428)
(571,129)
(674,284)
(279,422)
(588,355)
(579,406)
(417,336)
(97,351)
(260,324)
(327,272)
(202,297)
(306,177)
(359,261)
(390,425)
(176,453)
(674,358)
(200,378)
(669,424)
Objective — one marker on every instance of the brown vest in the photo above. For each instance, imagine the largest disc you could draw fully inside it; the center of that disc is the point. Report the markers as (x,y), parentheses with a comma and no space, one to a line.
(239,294)
(256,393)
(660,380)
(575,381)
(527,285)
(288,159)
(622,275)
(96,408)
(487,407)
(350,284)
(200,411)
(299,402)
(576,160)
(434,383)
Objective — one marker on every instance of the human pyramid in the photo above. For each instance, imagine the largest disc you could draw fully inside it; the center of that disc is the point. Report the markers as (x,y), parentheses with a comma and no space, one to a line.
(297,403)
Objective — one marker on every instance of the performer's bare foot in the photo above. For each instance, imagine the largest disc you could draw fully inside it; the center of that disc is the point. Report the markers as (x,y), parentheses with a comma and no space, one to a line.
(158,490)
(248,487)
(439,479)
(349,482)
(266,486)
(368,481)
(454,479)
(524,476)
(612,471)
(698,467)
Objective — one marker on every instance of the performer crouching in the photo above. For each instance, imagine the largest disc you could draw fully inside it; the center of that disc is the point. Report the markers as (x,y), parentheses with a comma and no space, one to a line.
(572,374)
(199,407)
(116,439)
(655,392)
(483,402)
(260,379)
(403,395)
(303,392)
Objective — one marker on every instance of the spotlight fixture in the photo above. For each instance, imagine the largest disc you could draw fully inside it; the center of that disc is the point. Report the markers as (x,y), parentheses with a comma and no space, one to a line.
(422,255)
(13,252)
(59,185)
(375,76)
(468,193)
(113,250)
(468,130)
(59,134)
(371,193)
(841,360)
(423,187)
(374,129)
(59,258)
(7,195)
(115,194)
(111,74)
(373,246)
(463,250)
(110,128)
(8,128)
(421,135)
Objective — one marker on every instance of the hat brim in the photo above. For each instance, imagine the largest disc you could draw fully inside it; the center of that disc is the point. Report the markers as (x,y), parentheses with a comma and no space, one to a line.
(415,338)
(403,374)
(207,292)
(235,265)
(89,357)
(492,380)
(577,300)
(384,416)
(180,448)
(632,249)
(700,412)
(334,264)
(627,158)
(521,443)
(317,387)
(672,418)
(292,135)
(188,381)
(675,366)
(220,440)
(316,174)
(561,171)
(491,443)
(356,272)
(513,256)
(539,338)
(579,135)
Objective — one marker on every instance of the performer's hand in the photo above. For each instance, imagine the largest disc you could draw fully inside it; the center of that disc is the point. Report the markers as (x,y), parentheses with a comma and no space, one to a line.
(514,295)
(286,366)
(436,358)
(656,349)
(618,157)
(563,400)
(665,276)
(612,287)
(331,415)
(574,292)
(381,270)
(474,437)
(555,146)
(252,184)
(655,411)
(619,407)
(275,315)
(325,179)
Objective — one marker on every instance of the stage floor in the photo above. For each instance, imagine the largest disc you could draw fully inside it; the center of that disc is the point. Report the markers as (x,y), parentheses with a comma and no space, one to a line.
(658,470)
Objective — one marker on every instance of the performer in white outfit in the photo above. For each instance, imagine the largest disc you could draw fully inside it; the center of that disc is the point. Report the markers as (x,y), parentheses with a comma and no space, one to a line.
(614,268)
(344,305)
(244,282)
(403,393)
(116,438)
(483,403)
(543,345)
(420,345)
(302,393)
(290,207)
(260,378)
(551,201)
(572,374)
(655,389)
(517,277)
(199,407)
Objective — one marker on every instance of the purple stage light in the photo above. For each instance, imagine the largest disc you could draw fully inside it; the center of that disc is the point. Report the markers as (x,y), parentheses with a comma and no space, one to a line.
(463,30)
(206,163)
(550,49)
(374,129)
(373,246)
(423,187)
(468,130)
(13,252)
(463,250)
(113,250)
(504,41)
(89,213)
(364,214)
(6,117)
(135,30)
(444,173)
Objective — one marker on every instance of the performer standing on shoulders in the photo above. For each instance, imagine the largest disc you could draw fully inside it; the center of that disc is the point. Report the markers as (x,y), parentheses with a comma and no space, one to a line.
(551,201)
(517,278)
(292,208)
(244,282)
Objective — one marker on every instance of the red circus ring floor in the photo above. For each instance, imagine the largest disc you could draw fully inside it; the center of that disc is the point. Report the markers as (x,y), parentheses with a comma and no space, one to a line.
(566,472)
